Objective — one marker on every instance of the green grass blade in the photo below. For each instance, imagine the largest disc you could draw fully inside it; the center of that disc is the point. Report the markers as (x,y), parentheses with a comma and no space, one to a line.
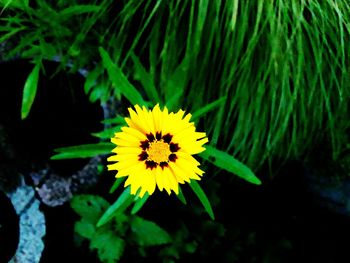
(146,80)
(123,201)
(202,197)
(211,106)
(29,91)
(139,203)
(116,184)
(181,196)
(227,162)
(119,80)
(78,10)
(83,151)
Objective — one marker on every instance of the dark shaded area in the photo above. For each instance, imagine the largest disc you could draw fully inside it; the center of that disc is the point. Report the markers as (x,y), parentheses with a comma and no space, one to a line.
(9,229)
(61,115)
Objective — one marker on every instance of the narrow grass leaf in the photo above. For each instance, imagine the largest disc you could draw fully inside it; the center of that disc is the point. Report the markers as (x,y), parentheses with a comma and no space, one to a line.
(107,133)
(227,162)
(29,91)
(119,80)
(146,80)
(123,201)
(78,10)
(139,203)
(83,151)
(116,184)
(181,197)
(202,197)
(211,106)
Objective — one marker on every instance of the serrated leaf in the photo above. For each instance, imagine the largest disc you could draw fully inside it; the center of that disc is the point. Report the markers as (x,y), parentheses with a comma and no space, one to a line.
(119,80)
(148,233)
(207,108)
(89,207)
(29,91)
(197,189)
(139,203)
(83,151)
(85,228)
(109,247)
(227,162)
(123,201)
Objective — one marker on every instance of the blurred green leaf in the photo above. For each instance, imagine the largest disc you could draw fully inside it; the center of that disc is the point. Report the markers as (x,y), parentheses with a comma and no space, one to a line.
(227,162)
(91,78)
(207,108)
(22,4)
(109,246)
(10,33)
(116,120)
(181,197)
(202,197)
(139,203)
(119,80)
(83,151)
(107,133)
(116,184)
(148,233)
(146,80)
(29,91)
(85,228)
(89,207)
(123,201)
(78,10)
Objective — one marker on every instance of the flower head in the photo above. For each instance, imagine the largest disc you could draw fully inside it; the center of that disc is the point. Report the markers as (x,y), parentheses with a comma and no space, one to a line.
(156,150)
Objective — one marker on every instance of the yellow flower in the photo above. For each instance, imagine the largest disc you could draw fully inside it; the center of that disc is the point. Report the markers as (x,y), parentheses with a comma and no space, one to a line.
(156,150)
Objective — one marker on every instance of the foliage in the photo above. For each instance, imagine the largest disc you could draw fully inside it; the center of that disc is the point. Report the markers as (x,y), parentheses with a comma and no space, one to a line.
(111,239)
(264,79)
(281,65)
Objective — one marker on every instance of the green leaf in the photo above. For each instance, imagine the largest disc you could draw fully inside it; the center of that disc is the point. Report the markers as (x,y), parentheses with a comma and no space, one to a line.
(173,102)
(109,247)
(123,201)
(91,78)
(139,203)
(227,162)
(202,197)
(116,120)
(11,32)
(146,80)
(89,207)
(107,133)
(148,233)
(78,10)
(116,184)
(83,151)
(29,91)
(207,108)
(22,4)
(119,80)
(85,228)
(181,197)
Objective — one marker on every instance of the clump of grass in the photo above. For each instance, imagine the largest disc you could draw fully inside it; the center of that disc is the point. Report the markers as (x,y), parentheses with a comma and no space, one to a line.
(283,66)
